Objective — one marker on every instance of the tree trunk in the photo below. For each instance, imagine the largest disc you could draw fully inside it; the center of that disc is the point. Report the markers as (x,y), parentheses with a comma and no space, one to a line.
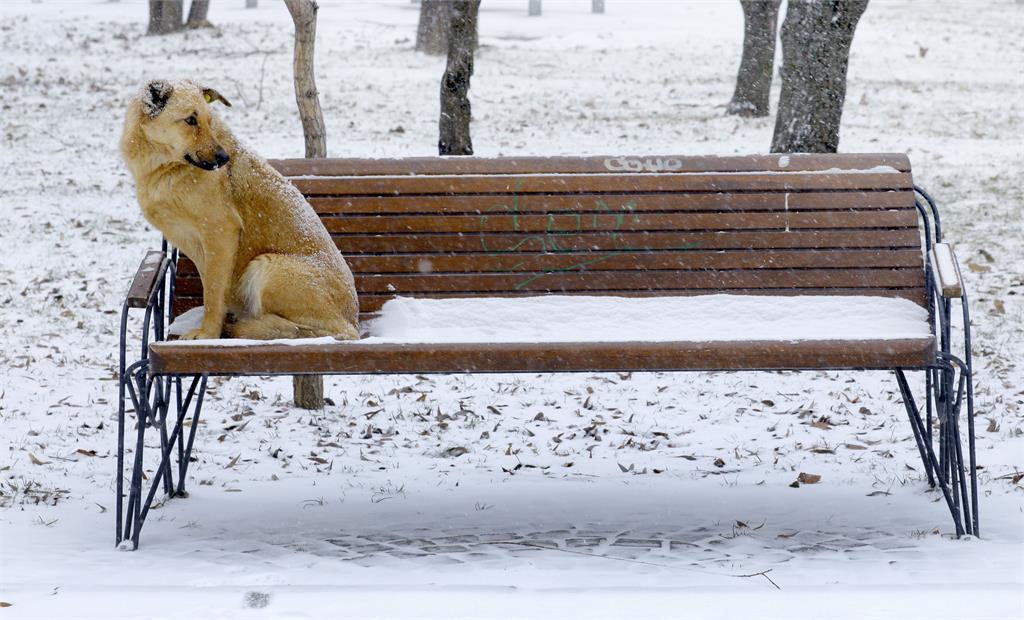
(455,109)
(597,6)
(754,81)
(308,390)
(304,16)
(432,31)
(197,14)
(165,16)
(816,40)
(533,8)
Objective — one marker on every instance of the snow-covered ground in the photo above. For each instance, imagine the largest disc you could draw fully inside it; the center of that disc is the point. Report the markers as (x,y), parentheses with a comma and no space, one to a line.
(615,495)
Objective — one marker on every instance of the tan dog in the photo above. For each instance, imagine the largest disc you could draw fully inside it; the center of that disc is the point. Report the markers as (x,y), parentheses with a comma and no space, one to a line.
(262,252)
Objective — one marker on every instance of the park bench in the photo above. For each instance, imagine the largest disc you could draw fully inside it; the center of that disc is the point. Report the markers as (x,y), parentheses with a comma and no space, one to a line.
(799,226)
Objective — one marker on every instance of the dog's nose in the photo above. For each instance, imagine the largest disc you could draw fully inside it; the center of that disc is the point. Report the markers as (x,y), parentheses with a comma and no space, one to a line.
(222,157)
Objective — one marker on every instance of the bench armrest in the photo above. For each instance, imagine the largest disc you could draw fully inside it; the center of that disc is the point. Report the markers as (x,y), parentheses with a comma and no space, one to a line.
(146,279)
(946,270)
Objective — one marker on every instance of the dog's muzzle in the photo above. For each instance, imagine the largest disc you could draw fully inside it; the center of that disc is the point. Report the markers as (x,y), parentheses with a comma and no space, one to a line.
(220,158)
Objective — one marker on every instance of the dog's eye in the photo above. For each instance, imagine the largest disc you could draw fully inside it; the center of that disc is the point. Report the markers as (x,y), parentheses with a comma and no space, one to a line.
(191,121)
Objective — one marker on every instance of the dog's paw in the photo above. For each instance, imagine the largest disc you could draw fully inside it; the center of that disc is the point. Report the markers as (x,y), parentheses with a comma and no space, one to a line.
(201,333)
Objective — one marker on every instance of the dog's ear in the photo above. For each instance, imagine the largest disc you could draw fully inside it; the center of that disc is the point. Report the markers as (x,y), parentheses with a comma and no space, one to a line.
(155,96)
(211,95)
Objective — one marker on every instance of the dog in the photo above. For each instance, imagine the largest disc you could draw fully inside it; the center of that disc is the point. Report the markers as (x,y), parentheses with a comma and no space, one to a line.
(268,266)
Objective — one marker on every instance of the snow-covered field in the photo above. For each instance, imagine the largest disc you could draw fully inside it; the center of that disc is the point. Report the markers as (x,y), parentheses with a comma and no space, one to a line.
(618,495)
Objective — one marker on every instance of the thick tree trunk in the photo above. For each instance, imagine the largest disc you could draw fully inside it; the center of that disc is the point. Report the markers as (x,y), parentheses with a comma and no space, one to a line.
(455,109)
(432,31)
(165,16)
(816,40)
(308,390)
(197,14)
(754,81)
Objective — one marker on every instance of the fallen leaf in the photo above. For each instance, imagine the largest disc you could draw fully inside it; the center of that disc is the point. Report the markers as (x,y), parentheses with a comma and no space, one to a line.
(822,423)
(876,493)
(808,478)
(85,452)
(993,426)
(853,446)
(976,268)
(4,604)
(35,460)
(234,461)
(456,451)
(794,484)
(998,306)
(719,462)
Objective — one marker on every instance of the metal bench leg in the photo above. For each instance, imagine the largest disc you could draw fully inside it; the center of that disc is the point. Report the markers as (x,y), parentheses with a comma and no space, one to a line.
(155,413)
(964,392)
(185,449)
(930,463)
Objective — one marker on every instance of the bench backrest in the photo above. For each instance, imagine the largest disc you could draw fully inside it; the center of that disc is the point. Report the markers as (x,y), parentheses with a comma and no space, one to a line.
(638,226)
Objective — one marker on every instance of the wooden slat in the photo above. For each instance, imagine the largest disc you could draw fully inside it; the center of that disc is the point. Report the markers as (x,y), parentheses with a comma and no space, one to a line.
(650,261)
(641,280)
(587,202)
(354,358)
(369,303)
(626,241)
(597,281)
(145,279)
(577,165)
(621,221)
(554,183)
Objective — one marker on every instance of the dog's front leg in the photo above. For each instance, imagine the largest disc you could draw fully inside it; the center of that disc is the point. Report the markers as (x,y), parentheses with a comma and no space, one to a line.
(219,254)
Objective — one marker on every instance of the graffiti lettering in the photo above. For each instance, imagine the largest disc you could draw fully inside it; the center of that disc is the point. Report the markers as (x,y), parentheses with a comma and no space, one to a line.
(632,164)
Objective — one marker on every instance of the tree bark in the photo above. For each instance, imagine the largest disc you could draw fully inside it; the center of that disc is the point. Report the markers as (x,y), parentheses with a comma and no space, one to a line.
(432,31)
(455,109)
(307,390)
(754,82)
(533,8)
(306,96)
(816,40)
(165,16)
(197,14)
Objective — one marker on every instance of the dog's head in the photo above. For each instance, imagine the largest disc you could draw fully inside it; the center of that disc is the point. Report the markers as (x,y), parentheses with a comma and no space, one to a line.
(177,117)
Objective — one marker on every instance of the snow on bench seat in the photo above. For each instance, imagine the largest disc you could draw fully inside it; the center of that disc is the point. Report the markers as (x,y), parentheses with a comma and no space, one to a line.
(561,332)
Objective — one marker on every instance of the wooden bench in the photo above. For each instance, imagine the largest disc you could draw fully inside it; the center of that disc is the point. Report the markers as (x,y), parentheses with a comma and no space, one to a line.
(790,225)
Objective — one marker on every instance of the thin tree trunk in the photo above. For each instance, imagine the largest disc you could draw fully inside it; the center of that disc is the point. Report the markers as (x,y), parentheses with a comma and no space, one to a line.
(816,40)
(304,16)
(197,14)
(432,30)
(754,82)
(308,390)
(455,109)
(165,16)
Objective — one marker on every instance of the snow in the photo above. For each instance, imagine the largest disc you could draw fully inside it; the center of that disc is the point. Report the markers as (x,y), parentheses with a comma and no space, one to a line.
(571,318)
(565,318)
(368,508)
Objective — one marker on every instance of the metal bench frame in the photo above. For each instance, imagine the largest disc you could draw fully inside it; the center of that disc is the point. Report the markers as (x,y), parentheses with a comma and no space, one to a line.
(163,403)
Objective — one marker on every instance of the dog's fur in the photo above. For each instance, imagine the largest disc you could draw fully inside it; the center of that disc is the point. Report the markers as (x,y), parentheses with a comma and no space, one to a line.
(262,252)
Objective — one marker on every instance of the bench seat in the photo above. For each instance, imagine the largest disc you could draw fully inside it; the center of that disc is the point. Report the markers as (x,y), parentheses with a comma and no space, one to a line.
(581,333)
